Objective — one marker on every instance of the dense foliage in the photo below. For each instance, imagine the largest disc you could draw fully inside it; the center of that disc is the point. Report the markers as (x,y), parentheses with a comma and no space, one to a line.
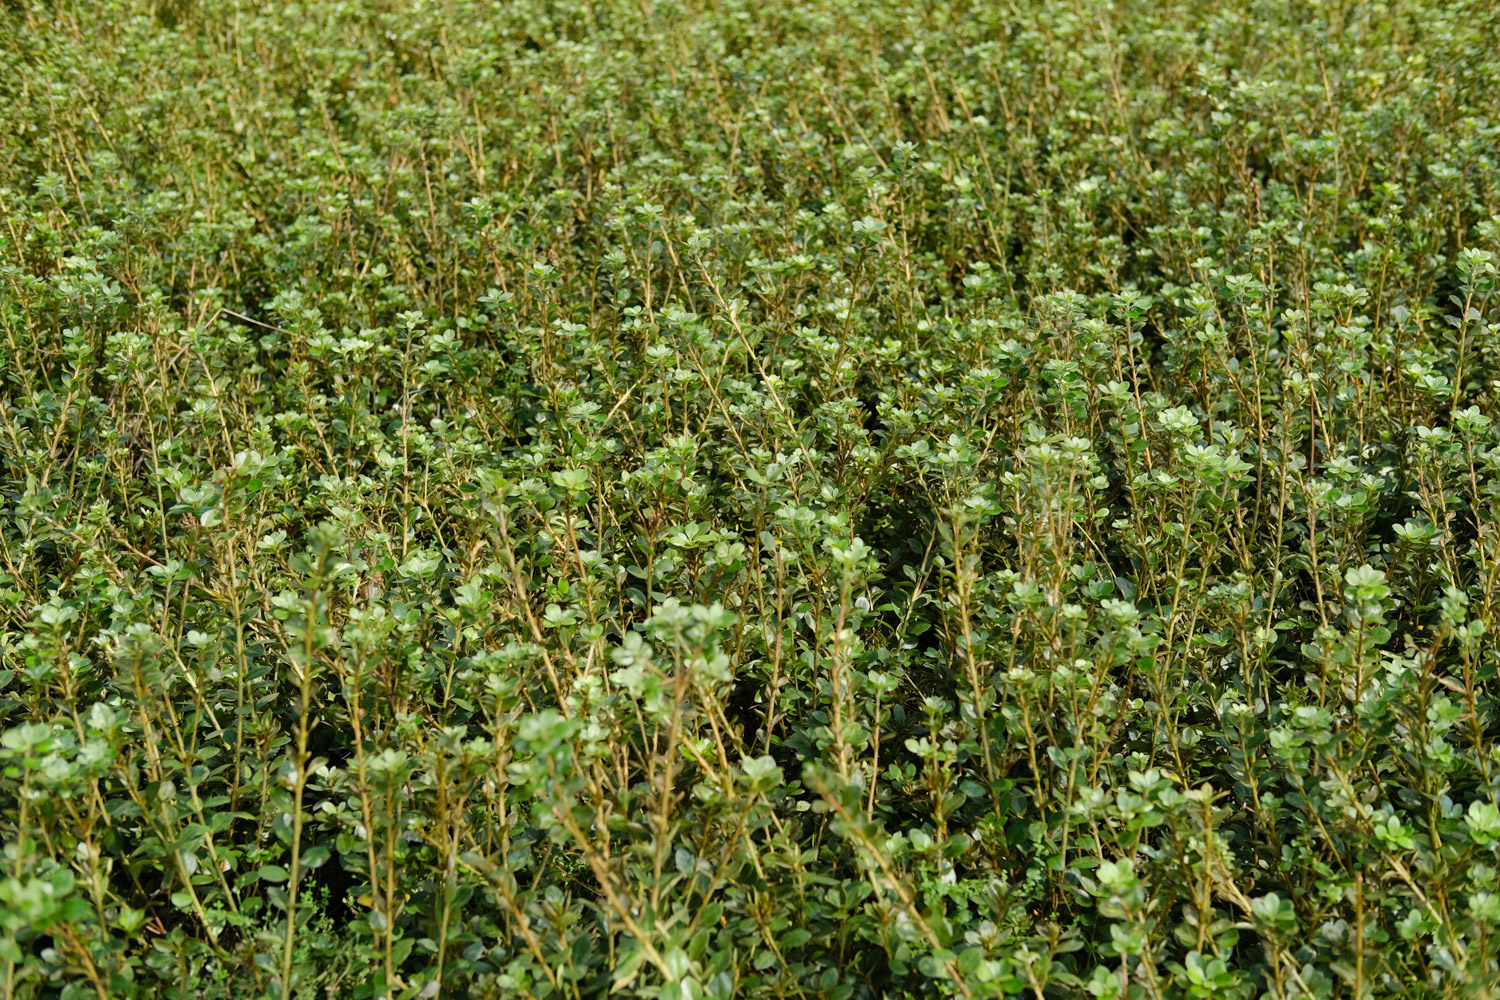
(757,498)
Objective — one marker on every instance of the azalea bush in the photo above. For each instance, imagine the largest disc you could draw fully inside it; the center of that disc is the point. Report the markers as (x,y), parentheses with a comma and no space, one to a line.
(723,498)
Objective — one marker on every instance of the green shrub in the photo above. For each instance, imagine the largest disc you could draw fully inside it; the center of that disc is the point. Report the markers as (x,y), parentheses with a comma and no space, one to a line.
(836,498)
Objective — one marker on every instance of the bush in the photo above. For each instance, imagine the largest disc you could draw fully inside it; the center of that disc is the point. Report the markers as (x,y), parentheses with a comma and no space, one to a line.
(824,499)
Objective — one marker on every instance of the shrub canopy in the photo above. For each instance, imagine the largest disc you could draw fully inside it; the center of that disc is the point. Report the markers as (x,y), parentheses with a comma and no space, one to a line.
(749,498)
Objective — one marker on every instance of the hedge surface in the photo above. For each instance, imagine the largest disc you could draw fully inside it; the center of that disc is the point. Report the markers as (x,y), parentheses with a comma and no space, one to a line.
(749,498)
